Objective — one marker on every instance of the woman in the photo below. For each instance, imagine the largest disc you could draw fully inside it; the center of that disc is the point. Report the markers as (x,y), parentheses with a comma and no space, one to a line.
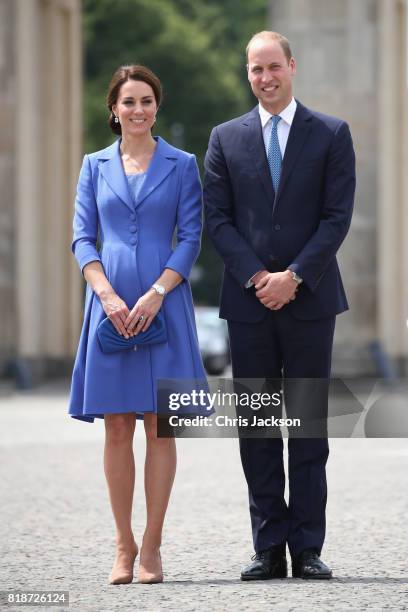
(132,195)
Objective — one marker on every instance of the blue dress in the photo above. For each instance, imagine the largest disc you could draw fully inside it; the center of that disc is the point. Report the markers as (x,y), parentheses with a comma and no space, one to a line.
(135,182)
(134,218)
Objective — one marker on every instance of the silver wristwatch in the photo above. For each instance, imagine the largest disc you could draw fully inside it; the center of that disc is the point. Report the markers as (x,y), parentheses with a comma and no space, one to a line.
(296,277)
(159,289)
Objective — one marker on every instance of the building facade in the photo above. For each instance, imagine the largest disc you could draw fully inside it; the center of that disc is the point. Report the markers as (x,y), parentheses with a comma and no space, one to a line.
(352,62)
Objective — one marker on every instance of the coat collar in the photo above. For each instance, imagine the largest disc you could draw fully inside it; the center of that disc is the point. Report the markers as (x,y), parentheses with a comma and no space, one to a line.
(297,136)
(162,163)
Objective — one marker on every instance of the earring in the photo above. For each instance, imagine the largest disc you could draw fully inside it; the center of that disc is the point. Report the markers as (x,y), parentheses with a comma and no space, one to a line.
(116,119)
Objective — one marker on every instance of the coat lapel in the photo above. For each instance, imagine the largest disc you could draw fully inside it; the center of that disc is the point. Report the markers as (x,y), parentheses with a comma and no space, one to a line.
(114,174)
(299,131)
(162,163)
(256,149)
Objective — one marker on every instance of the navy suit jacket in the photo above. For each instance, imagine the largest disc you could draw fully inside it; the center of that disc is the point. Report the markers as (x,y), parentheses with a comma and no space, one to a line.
(300,227)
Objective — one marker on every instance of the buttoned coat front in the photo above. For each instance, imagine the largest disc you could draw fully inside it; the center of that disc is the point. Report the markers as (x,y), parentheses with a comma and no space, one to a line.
(136,245)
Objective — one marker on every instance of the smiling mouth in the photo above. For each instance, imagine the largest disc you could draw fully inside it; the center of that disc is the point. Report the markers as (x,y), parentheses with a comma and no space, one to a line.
(271,88)
(137,120)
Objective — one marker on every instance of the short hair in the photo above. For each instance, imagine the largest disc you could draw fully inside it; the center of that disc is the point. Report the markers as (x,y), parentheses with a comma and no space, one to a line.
(133,72)
(268,35)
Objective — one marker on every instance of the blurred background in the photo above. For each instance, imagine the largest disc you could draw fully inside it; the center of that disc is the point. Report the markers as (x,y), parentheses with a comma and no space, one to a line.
(56,60)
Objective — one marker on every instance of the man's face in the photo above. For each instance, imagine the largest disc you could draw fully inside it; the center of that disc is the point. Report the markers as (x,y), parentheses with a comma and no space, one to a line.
(270,74)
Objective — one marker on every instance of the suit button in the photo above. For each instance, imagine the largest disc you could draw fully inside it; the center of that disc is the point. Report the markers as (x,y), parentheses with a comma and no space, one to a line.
(133,240)
(133,217)
(133,228)
(277,227)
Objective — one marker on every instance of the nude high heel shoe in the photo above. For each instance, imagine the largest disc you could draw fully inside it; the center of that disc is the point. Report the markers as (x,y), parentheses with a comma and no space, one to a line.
(122,571)
(150,573)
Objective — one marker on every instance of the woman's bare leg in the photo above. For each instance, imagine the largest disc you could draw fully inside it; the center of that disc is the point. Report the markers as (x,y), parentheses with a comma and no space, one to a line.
(119,467)
(160,469)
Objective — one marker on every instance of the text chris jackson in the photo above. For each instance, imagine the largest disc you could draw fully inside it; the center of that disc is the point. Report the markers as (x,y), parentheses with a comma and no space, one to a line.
(226,421)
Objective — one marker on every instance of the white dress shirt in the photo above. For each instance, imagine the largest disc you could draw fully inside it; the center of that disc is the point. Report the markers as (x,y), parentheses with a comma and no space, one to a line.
(283,126)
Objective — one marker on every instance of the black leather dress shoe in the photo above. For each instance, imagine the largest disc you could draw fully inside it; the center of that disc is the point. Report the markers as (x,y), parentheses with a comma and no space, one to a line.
(266,565)
(310,567)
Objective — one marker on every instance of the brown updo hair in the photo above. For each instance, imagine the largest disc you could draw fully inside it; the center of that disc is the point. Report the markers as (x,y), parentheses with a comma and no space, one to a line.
(120,76)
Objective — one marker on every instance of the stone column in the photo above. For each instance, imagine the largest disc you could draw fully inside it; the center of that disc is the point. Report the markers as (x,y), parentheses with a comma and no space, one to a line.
(29,162)
(48,156)
(404,201)
(389,265)
(8,319)
(74,279)
(62,128)
(392,289)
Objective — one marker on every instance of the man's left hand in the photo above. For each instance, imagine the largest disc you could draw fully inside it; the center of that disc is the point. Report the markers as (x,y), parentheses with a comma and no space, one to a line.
(276,289)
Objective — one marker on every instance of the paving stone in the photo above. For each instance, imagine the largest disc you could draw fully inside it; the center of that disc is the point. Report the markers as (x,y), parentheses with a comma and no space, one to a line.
(56,529)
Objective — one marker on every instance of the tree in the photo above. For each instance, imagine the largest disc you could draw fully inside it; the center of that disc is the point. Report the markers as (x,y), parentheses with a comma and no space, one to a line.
(197,49)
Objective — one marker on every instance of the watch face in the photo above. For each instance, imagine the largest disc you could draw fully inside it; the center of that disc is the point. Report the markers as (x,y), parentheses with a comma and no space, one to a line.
(160,289)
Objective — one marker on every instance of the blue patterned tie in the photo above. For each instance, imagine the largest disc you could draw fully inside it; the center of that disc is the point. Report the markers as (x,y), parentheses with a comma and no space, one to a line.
(274,153)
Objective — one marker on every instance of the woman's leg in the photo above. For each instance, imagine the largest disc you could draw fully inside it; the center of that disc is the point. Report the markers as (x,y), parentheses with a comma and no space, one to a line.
(160,469)
(119,467)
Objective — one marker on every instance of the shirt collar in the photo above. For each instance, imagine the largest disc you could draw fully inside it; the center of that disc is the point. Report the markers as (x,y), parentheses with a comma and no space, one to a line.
(286,114)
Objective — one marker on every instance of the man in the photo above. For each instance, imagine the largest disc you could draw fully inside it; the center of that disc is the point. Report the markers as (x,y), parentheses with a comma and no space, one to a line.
(278,192)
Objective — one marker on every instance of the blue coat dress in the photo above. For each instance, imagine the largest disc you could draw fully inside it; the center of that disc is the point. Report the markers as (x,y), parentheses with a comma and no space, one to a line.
(135,240)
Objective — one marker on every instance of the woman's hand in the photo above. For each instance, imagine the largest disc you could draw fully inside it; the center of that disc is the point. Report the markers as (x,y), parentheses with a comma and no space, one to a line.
(142,314)
(116,310)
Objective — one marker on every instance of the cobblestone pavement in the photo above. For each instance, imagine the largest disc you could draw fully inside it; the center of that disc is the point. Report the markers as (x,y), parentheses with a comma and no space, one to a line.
(56,530)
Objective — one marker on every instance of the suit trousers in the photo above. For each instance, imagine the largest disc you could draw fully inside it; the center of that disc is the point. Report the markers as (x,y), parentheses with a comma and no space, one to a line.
(282,345)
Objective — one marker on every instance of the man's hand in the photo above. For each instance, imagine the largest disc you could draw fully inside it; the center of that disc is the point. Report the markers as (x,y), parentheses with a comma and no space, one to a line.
(275,289)
(257,277)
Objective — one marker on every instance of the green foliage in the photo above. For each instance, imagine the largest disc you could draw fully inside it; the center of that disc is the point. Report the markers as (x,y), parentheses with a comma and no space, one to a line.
(196,48)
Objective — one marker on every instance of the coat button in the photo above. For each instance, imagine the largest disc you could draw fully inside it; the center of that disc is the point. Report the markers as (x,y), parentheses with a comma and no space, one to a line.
(133,240)
(132,228)
(277,227)
(133,217)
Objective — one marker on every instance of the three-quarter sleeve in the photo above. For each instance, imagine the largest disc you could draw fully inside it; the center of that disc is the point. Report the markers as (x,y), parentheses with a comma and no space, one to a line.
(85,222)
(189,220)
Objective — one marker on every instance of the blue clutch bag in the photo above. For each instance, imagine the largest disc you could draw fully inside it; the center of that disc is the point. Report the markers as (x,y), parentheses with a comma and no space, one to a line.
(111,341)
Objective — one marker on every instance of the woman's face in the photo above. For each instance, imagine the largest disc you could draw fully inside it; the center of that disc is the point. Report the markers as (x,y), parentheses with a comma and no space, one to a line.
(136,108)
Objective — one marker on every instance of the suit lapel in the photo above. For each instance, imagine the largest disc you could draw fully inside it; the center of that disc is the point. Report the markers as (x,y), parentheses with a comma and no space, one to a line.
(256,149)
(162,162)
(298,134)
